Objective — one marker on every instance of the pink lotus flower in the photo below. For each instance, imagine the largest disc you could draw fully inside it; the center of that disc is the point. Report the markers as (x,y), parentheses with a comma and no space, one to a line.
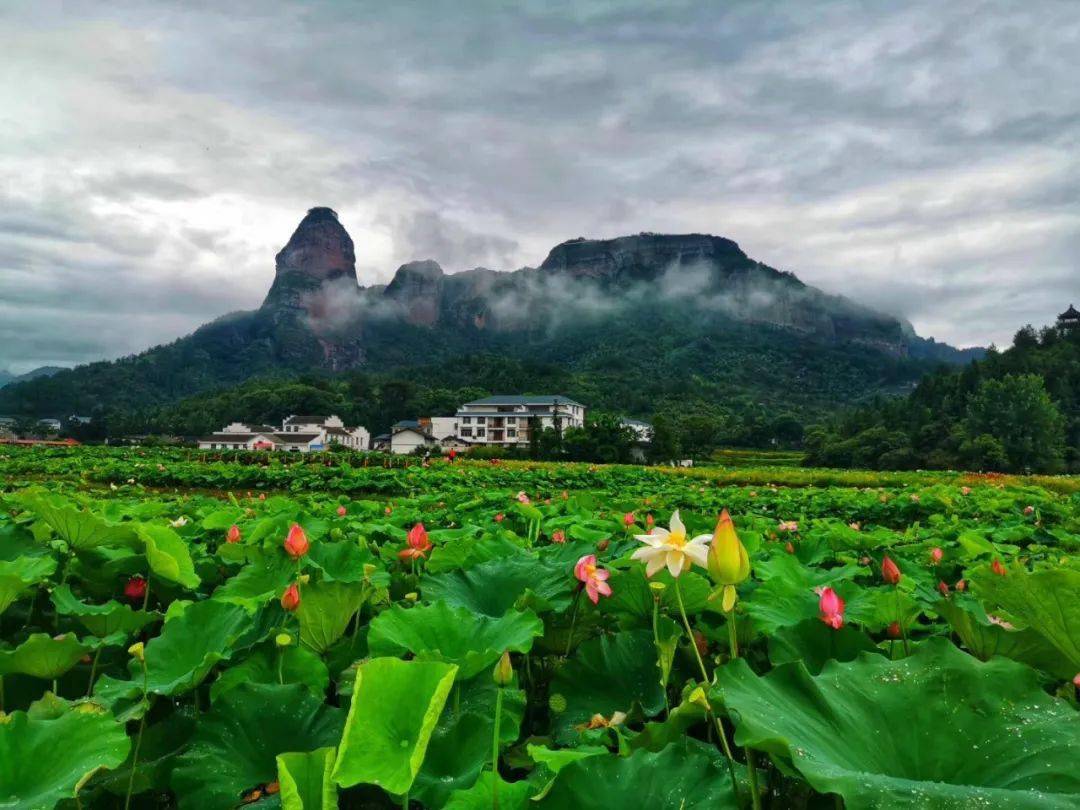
(342,511)
(831,608)
(418,543)
(855,527)
(1076,680)
(889,571)
(650,521)
(788,526)
(388,511)
(965,490)
(522,497)
(935,555)
(558,536)
(1029,510)
(296,544)
(594,579)
(628,519)
(233,535)
(499,518)
(915,499)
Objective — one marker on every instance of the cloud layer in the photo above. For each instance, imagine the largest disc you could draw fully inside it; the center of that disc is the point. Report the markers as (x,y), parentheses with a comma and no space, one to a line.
(920,157)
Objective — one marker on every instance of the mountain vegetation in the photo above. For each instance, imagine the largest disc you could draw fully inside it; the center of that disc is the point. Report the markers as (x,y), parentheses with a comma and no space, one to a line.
(1015,411)
(684,327)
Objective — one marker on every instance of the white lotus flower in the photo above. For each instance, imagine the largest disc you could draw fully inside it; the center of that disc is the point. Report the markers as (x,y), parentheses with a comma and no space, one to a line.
(671,548)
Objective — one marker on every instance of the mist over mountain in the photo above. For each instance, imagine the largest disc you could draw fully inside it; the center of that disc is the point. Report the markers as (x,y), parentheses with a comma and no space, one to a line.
(614,306)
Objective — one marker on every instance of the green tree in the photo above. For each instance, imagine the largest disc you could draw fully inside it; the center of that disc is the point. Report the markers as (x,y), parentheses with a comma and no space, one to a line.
(1018,412)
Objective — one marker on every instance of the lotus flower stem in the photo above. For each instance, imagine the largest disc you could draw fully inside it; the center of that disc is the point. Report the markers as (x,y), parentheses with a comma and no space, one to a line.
(656,641)
(93,672)
(495,749)
(705,682)
(900,621)
(146,593)
(733,645)
(573,621)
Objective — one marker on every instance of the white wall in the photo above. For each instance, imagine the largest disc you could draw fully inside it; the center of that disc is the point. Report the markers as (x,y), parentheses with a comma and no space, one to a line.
(406,441)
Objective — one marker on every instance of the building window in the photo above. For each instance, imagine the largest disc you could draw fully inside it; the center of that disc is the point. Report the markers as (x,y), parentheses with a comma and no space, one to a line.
(511,420)
(511,433)
(480,433)
(480,420)
(466,431)
(466,420)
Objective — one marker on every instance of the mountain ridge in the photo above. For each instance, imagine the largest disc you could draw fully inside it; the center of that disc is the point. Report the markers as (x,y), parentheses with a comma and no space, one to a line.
(317,317)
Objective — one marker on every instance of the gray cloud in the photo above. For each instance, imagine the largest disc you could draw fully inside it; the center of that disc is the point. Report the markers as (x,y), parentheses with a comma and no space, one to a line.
(918,156)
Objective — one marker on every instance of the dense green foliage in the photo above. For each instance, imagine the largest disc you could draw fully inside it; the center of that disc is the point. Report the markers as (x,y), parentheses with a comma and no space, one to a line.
(1015,411)
(148,650)
(720,382)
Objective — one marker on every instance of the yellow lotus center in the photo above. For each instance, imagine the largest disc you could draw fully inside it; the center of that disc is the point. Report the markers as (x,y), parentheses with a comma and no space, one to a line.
(589,569)
(677,539)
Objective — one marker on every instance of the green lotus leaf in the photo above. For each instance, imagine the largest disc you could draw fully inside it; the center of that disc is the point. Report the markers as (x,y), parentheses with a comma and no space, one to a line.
(81,530)
(815,643)
(492,588)
(439,632)
(787,597)
(395,707)
(936,729)
(102,620)
(288,665)
(46,760)
(462,554)
(1047,601)
(633,597)
(984,639)
(340,562)
(222,519)
(19,574)
(168,555)
(481,796)
(42,656)
(161,742)
(262,580)
(606,675)
(325,610)
(305,780)
(680,777)
(236,745)
(459,748)
(183,654)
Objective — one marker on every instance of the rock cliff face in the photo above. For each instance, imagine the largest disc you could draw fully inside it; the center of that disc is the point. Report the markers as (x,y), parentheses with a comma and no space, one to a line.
(318,255)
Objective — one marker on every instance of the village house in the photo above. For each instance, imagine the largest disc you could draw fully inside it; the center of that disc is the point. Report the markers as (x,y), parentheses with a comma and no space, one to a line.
(298,434)
(506,420)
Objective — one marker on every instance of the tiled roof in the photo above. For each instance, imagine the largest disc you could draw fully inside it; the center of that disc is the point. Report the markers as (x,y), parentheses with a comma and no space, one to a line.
(306,420)
(538,399)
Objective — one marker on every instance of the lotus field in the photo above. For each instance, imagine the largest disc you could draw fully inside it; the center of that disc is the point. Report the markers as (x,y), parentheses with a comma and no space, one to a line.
(202,631)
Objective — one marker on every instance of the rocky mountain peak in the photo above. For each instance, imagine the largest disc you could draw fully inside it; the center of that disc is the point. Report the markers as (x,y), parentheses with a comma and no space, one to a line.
(417,288)
(319,252)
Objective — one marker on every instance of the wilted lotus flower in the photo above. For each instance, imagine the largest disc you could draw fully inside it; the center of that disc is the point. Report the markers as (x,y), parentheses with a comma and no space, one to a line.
(998,568)
(135,589)
(594,579)
(831,608)
(296,543)
(935,555)
(889,571)
(233,535)
(670,547)
(290,600)
(727,560)
(418,543)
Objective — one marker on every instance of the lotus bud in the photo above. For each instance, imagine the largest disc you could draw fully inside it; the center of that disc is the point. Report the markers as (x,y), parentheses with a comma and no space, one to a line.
(893,630)
(137,651)
(283,640)
(889,571)
(342,511)
(831,608)
(697,697)
(728,562)
(943,588)
(1076,680)
(233,535)
(935,555)
(290,600)
(296,544)
(998,568)
(412,596)
(504,671)
(628,519)
(135,589)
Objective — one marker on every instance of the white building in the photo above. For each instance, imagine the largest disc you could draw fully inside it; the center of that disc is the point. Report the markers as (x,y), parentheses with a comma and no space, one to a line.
(408,435)
(507,420)
(298,434)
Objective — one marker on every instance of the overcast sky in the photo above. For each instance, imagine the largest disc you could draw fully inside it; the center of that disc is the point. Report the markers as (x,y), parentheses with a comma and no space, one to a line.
(923,158)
